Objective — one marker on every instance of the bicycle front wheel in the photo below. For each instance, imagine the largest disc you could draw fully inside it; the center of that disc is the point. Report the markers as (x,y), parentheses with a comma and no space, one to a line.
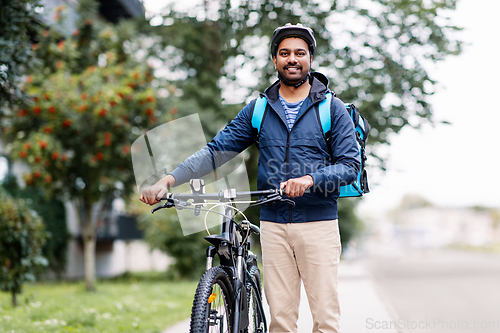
(212,303)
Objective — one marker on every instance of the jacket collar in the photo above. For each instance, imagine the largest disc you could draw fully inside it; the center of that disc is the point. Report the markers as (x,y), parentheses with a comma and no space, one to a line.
(319,87)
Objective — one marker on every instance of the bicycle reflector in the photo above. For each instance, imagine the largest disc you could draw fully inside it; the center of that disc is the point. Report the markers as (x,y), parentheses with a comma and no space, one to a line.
(212,298)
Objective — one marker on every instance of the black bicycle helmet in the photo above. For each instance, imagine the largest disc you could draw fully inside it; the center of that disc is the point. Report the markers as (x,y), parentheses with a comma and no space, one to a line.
(291,30)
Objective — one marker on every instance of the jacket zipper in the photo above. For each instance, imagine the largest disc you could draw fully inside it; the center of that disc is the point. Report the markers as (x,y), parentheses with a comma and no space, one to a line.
(288,155)
(288,170)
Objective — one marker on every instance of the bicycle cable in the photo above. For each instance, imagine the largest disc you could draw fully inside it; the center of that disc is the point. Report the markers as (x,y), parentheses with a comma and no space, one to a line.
(233,208)
(202,210)
(210,210)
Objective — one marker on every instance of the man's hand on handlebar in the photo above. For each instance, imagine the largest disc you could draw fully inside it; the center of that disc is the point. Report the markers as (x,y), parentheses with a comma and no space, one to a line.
(152,195)
(295,187)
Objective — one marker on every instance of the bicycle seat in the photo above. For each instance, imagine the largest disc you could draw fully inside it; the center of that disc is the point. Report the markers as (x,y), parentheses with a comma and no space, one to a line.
(217,240)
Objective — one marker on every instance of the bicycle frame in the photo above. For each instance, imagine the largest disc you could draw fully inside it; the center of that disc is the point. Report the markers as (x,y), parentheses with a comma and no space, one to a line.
(240,303)
(233,255)
(237,268)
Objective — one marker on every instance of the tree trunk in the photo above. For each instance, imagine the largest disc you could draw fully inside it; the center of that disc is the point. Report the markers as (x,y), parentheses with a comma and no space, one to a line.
(14,298)
(89,240)
(88,231)
(88,216)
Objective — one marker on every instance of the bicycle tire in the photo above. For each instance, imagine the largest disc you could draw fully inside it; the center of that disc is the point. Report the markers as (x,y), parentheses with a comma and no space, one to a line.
(256,322)
(210,313)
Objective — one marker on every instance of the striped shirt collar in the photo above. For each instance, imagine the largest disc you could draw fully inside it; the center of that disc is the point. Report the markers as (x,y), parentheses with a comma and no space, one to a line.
(291,110)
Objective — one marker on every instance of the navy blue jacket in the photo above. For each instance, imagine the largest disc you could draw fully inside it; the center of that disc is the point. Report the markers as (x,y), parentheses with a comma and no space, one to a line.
(286,154)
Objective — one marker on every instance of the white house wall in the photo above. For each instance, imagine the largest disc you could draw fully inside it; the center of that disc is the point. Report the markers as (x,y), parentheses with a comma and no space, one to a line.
(125,256)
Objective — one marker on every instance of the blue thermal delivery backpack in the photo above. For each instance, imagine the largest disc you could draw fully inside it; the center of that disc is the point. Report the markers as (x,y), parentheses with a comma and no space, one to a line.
(361,126)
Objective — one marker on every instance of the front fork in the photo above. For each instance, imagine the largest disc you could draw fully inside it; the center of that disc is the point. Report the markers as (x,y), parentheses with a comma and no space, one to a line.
(213,319)
(211,251)
(240,313)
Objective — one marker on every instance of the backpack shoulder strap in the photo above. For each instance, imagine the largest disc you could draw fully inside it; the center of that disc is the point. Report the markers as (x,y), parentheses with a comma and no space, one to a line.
(325,116)
(360,124)
(259,110)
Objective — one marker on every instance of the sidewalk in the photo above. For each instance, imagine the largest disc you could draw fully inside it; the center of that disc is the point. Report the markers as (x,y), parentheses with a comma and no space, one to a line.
(363,307)
(360,302)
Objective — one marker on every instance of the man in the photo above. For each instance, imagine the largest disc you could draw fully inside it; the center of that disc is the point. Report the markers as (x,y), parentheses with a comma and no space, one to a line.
(300,242)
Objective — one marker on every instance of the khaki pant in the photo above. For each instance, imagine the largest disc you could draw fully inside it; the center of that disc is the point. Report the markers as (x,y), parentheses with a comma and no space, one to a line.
(309,251)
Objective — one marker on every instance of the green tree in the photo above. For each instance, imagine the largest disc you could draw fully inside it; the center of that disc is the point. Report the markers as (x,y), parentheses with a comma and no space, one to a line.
(91,100)
(374,57)
(22,236)
(191,50)
(18,20)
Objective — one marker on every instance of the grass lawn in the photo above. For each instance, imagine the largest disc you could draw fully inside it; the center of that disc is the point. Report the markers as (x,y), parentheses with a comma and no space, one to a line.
(136,303)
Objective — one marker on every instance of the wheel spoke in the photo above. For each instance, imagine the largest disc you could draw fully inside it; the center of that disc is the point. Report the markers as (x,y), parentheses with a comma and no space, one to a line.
(218,319)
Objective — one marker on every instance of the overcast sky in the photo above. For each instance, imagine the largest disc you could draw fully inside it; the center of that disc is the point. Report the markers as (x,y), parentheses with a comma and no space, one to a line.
(453,165)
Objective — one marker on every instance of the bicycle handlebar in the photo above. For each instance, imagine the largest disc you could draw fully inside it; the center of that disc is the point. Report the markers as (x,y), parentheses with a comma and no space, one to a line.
(221,195)
(273,195)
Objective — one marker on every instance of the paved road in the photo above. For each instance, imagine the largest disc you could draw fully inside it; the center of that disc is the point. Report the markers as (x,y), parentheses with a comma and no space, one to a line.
(446,291)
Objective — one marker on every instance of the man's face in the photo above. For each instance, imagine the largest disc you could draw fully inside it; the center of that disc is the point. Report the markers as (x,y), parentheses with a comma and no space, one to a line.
(293,60)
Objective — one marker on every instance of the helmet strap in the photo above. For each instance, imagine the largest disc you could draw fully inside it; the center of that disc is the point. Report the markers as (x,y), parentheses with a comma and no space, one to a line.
(291,84)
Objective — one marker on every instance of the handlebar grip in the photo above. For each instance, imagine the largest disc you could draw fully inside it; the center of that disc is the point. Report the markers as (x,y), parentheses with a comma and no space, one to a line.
(166,196)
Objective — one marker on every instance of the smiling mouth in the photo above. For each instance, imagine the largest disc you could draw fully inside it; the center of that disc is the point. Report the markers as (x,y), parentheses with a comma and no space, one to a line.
(292,69)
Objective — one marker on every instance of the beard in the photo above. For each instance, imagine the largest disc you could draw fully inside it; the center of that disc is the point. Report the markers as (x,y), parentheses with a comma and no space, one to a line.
(292,73)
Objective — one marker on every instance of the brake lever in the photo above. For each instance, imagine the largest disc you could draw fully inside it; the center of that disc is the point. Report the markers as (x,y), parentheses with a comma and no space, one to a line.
(168,204)
(273,198)
(269,199)
(288,201)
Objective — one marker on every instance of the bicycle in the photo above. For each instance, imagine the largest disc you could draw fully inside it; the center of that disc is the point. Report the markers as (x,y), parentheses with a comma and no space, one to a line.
(228,297)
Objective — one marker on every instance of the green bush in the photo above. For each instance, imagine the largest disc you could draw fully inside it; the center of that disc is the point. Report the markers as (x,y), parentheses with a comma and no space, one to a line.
(350,224)
(53,214)
(22,235)
(163,231)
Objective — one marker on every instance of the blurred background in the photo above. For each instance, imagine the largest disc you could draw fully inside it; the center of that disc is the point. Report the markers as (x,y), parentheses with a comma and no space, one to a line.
(81,80)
